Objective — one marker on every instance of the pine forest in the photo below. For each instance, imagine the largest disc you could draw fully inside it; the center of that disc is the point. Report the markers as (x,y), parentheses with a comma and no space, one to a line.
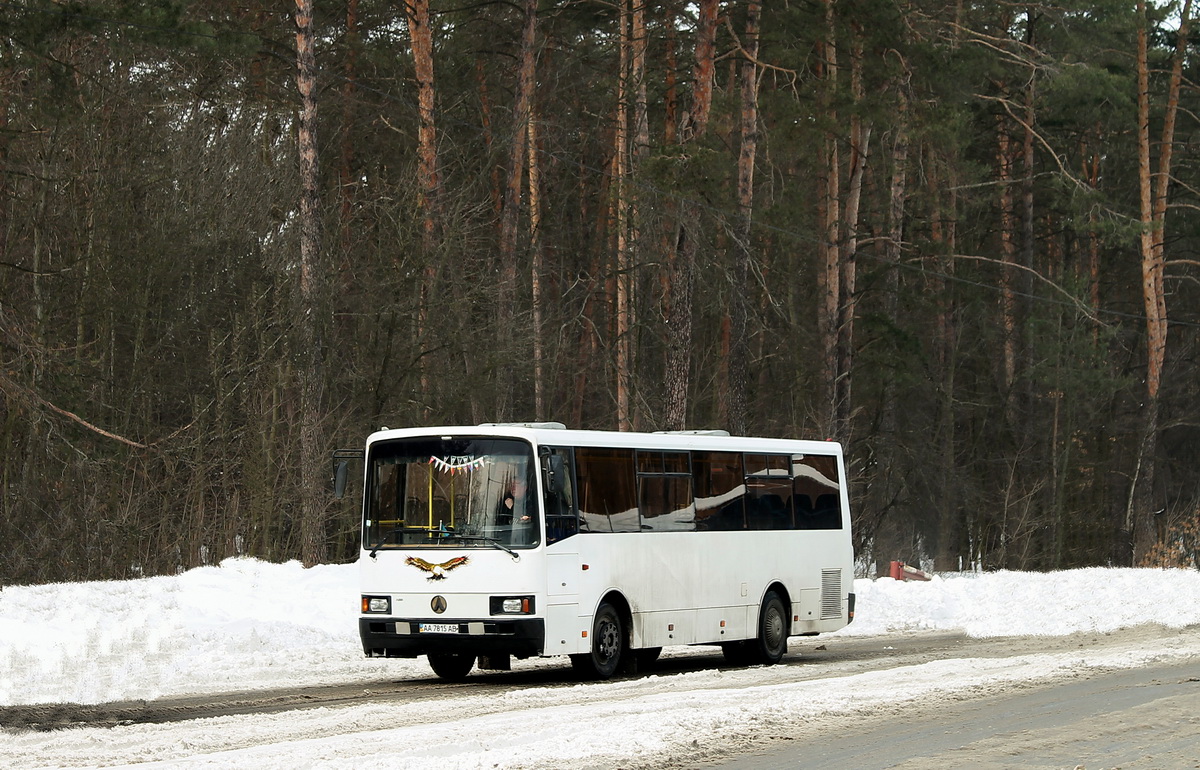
(959,237)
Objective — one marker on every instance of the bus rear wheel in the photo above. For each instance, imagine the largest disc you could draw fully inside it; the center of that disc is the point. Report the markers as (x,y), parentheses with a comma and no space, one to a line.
(608,645)
(451,666)
(771,643)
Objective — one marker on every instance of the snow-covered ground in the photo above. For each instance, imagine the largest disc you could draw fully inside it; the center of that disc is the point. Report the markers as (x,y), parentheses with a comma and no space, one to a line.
(249,625)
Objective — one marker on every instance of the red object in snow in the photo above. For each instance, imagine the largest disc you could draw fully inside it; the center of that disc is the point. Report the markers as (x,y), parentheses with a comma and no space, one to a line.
(901,571)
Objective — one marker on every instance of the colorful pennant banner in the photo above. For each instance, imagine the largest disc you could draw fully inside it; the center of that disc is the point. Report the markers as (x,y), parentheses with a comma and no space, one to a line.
(455,465)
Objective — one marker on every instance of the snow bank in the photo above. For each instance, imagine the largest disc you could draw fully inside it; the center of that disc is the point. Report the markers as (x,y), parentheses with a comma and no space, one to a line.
(246,623)
(1027,603)
(249,624)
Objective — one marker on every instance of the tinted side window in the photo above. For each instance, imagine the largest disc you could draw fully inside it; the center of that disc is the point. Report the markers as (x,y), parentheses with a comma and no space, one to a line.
(607,489)
(720,491)
(665,492)
(817,492)
(768,492)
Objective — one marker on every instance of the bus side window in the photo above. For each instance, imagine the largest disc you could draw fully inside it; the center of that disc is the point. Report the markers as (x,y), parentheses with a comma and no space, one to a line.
(817,492)
(607,491)
(769,492)
(558,478)
(720,491)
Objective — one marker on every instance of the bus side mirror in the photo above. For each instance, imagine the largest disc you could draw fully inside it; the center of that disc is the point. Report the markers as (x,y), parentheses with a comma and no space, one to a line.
(552,467)
(339,479)
(341,469)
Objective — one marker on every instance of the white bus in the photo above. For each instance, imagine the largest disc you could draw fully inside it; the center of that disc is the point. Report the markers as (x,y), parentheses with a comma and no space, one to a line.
(519,540)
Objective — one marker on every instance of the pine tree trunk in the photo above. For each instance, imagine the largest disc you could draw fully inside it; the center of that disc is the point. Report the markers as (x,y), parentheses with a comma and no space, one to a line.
(1137,517)
(887,482)
(860,143)
(683,262)
(535,272)
(421,36)
(507,294)
(954,531)
(1091,172)
(489,139)
(637,77)
(1020,398)
(1008,254)
(310,340)
(706,37)
(829,282)
(417,13)
(624,325)
(346,181)
(1154,190)
(739,344)
(671,98)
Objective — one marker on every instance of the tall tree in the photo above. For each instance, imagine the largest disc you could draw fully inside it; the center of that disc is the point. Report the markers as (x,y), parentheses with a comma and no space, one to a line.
(309,299)
(1153,193)
(682,257)
(346,182)
(739,354)
(829,217)
(421,36)
(623,272)
(511,215)
(860,143)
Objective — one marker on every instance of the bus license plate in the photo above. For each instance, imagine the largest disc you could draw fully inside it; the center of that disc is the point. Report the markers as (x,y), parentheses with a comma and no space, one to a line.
(439,628)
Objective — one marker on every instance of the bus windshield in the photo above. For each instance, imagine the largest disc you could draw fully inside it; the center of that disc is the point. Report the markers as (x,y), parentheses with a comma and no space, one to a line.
(460,492)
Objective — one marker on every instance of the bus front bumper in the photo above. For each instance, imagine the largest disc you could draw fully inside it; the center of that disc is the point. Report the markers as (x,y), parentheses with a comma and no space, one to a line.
(408,637)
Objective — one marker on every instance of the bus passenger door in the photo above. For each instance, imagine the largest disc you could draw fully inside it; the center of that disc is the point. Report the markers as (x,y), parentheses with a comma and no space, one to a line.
(564,625)
(558,501)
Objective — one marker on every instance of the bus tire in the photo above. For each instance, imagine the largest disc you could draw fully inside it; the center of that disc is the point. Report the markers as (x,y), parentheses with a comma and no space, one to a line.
(608,645)
(451,666)
(770,645)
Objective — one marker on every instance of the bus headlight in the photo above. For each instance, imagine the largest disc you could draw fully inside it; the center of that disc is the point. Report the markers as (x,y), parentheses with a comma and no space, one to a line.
(511,605)
(377,604)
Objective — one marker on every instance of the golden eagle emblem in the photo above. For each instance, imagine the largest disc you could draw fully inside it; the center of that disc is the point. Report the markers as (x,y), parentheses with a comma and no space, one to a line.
(436,571)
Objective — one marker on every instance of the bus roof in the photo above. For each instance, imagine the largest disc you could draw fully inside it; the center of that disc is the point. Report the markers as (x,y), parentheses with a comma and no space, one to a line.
(555,434)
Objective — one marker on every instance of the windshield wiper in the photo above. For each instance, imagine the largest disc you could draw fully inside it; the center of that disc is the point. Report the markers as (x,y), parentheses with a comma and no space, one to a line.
(401,529)
(443,533)
(491,540)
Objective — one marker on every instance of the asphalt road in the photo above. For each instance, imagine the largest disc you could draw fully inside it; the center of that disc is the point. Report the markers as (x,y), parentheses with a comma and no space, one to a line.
(1139,719)
(1134,718)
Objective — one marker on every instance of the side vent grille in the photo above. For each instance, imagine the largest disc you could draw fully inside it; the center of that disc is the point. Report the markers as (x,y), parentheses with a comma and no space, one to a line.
(831,594)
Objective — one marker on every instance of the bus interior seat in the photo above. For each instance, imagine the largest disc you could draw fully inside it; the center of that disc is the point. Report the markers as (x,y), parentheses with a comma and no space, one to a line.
(769,512)
(828,512)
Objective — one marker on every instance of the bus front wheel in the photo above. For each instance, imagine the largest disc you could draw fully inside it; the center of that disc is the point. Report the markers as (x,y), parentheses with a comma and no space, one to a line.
(608,645)
(451,666)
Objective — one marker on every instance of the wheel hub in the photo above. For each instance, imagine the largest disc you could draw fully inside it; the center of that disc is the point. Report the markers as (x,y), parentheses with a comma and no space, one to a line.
(607,644)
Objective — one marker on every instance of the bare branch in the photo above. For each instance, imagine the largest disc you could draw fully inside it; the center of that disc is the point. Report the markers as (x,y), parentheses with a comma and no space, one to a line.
(1041,140)
(793,75)
(18,391)
(1081,306)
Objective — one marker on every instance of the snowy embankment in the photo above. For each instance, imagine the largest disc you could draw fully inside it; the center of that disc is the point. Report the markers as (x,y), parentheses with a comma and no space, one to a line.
(249,624)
